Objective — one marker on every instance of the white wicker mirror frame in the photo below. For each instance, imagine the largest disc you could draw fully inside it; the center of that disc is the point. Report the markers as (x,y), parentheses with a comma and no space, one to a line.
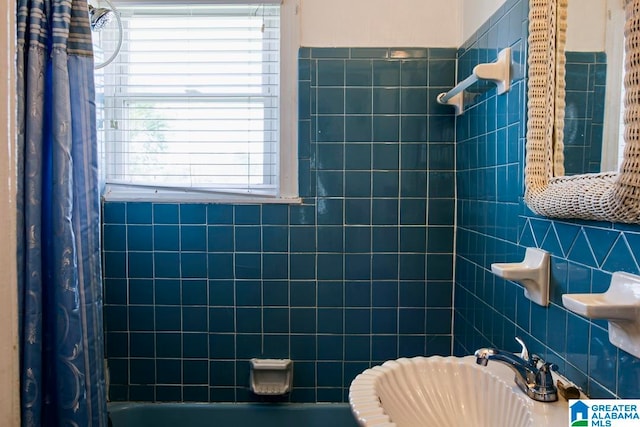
(607,196)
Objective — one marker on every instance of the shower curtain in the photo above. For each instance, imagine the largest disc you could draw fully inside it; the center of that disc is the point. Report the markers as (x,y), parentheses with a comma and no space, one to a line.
(62,375)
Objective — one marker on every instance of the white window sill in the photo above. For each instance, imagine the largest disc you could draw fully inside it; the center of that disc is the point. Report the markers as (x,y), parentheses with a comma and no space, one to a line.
(117,193)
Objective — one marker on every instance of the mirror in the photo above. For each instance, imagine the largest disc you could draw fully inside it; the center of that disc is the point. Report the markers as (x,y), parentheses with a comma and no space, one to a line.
(604,196)
(594,63)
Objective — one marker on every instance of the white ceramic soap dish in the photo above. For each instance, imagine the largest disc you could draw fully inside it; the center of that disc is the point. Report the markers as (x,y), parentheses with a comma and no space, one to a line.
(271,377)
(532,273)
(620,305)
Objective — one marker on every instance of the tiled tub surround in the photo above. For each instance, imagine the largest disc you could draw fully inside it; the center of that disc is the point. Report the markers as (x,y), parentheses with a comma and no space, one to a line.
(361,272)
(586,78)
(494,225)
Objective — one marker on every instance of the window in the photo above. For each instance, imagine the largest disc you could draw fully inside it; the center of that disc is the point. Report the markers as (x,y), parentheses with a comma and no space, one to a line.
(192,103)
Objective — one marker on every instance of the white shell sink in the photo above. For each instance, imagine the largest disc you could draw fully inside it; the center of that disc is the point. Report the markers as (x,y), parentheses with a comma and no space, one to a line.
(447,392)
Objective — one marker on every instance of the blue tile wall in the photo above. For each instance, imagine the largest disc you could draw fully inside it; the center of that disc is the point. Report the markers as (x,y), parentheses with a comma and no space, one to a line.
(586,79)
(494,225)
(359,273)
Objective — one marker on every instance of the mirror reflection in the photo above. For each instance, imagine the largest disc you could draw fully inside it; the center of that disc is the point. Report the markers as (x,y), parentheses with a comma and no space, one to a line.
(594,73)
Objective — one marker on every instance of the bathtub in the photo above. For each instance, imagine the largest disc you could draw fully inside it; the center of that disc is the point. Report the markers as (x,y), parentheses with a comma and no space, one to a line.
(127,414)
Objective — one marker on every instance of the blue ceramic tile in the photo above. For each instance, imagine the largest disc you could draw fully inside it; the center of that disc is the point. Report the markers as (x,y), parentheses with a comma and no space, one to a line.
(193,265)
(247,266)
(195,372)
(276,320)
(220,266)
(384,321)
(331,73)
(357,320)
(386,156)
(386,101)
(357,156)
(330,183)
(413,156)
(357,239)
(248,239)
(358,129)
(302,294)
(412,294)
(357,266)
(358,101)
(222,346)
(329,373)
(359,73)
(220,238)
(414,101)
(116,318)
(413,239)
(115,291)
(384,266)
(193,238)
(413,184)
(142,371)
(385,184)
(440,211)
(167,292)
(620,258)
(248,293)
(357,347)
(410,345)
(442,73)
(330,321)
(114,237)
(193,213)
(303,320)
(357,294)
(139,213)
(141,318)
(194,319)
(273,214)
(413,72)
(357,184)
(330,129)
(386,73)
(275,266)
(413,129)
(412,266)
(411,320)
(602,358)
(330,239)
(302,214)
(384,211)
(384,347)
(330,211)
(140,264)
(168,345)
(330,267)
(275,293)
(438,321)
(221,320)
(330,101)
(221,293)
(384,239)
(219,214)
(581,251)
(303,347)
(168,371)
(114,213)
(140,291)
(166,213)
(247,215)
(248,320)
(386,129)
(439,294)
(441,129)
(357,211)
(166,237)
(330,294)
(302,266)
(222,373)
(601,242)
(195,345)
(330,157)
(275,239)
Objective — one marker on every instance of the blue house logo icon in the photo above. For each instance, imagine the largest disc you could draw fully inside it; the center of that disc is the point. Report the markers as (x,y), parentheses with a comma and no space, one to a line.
(579,414)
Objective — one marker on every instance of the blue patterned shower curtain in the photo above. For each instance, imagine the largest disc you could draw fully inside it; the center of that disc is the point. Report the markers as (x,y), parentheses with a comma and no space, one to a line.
(62,375)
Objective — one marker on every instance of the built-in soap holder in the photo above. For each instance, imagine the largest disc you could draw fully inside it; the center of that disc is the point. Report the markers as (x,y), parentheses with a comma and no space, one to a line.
(532,273)
(271,377)
(620,305)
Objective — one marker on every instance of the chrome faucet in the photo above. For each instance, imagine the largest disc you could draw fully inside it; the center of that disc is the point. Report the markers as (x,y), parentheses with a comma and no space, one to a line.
(533,375)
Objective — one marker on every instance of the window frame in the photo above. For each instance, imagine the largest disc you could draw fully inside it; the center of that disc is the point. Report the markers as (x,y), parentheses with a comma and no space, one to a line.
(288,130)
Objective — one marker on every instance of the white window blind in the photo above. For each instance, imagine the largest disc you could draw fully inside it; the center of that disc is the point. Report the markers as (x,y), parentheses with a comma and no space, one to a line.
(192,100)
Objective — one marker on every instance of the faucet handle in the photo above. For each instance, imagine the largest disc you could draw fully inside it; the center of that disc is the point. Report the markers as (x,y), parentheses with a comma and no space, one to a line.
(524,353)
